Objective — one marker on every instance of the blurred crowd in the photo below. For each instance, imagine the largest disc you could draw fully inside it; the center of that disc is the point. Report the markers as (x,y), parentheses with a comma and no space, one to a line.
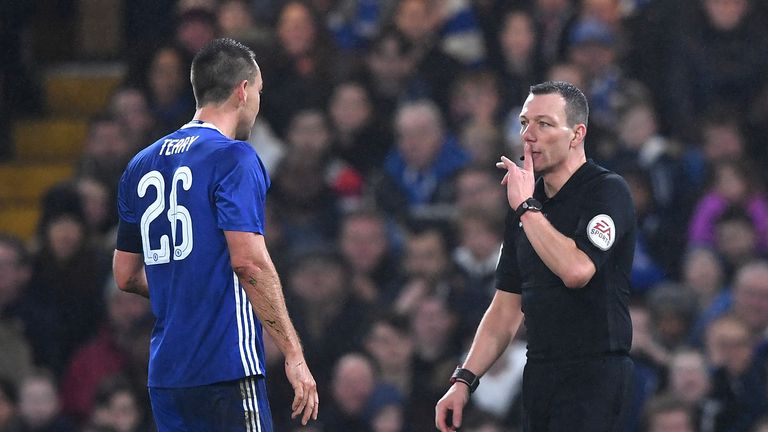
(380,125)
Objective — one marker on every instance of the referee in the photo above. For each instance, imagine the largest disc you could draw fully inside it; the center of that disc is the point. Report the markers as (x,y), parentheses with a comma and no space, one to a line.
(568,246)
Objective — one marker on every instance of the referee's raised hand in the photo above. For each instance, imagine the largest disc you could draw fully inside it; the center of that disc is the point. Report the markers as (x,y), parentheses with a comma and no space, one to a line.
(519,181)
(305,399)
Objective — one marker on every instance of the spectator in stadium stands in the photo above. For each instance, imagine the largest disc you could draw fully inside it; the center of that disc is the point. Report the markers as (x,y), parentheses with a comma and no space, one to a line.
(385,411)
(736,239)
(434,325)
(359,137)
(427,268)
(105,355)
(16,359)
(642,144)
(718,58)
(365,243)
(39,407)
(330,320)
(99,213)
(235,19)
(167,82)
(483,143)
(353,383)
(750,297)
(425,158)
(9,418)
(106,151)
(130,107)
(420,21)
(475,257)
(117,409)
(309,210)
(738,382)
(593,47)
(518,64)
(387,70)
(195,27)
(68,276)
(690,382)
(301,68)
(702,271)
(733,184)
(650,359)
(553,20)
(666,413)
(651,246)
(390,344)
(476,99)
(673,309)
(476,188)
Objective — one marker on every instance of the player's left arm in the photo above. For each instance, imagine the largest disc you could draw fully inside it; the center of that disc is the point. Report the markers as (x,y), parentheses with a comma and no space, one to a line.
(128,269)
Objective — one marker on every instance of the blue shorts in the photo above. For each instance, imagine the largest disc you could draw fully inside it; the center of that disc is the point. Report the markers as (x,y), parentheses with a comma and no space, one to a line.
(233,406)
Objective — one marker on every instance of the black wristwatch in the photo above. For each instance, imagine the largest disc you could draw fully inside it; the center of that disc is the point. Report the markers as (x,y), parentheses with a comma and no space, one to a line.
(531,204)
(467,377)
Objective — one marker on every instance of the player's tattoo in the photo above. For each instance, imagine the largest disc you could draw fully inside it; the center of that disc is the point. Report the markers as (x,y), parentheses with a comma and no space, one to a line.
(252,280)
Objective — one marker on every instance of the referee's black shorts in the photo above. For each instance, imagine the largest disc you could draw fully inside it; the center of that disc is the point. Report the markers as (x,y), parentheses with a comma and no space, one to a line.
(591,395)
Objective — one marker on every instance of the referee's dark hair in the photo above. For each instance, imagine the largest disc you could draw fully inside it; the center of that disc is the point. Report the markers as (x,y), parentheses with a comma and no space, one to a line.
(576,107)
(219,67)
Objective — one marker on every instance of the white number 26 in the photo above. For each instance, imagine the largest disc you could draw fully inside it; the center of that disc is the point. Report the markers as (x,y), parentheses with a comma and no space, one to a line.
(177,215)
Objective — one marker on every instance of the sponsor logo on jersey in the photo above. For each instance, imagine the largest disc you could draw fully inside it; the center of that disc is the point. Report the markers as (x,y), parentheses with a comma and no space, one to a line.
(601,231)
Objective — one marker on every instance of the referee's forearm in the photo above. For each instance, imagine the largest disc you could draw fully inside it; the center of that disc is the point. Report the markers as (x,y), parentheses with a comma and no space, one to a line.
(496,330)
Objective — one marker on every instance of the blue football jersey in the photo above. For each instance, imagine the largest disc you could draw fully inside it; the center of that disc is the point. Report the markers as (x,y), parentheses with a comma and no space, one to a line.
(180,194)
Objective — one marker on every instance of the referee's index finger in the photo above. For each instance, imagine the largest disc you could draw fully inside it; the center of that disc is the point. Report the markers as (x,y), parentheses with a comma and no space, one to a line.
(528,159)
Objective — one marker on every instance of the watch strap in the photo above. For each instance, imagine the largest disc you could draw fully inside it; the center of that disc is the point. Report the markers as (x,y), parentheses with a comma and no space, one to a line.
(467,377)
(531,204)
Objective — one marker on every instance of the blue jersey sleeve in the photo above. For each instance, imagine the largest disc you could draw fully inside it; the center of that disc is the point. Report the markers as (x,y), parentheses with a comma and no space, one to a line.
(241,189)
(128,234)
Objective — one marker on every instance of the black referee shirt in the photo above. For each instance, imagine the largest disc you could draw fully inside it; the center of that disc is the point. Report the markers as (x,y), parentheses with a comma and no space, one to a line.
(595,209)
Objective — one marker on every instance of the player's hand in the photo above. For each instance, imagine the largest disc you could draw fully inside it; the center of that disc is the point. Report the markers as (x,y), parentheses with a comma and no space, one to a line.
(449,409)
(305,400)
(519,182)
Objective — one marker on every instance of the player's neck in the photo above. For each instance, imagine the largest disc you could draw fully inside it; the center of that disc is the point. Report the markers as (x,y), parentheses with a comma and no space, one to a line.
(225,120)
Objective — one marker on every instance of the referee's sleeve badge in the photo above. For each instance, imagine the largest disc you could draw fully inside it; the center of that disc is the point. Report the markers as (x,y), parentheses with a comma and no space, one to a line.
(601,231)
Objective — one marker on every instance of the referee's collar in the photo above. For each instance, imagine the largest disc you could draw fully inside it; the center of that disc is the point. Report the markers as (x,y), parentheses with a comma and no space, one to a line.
(586,170)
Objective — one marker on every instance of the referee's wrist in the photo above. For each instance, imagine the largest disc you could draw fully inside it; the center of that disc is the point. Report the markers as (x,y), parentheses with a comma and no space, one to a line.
(466,377)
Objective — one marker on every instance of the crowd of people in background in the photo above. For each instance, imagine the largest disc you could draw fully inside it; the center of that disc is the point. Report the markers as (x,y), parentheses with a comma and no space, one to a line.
(380,125)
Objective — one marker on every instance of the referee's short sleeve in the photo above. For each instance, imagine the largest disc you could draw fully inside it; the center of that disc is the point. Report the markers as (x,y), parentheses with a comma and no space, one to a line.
(507,269)
(604,219)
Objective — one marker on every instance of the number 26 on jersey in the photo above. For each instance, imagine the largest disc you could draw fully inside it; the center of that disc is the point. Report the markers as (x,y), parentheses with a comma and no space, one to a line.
(178,216)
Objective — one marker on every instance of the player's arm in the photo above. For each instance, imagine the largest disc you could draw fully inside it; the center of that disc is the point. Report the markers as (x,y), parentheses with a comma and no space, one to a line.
(258,276)
(497,328)
(558,252)
(128,269)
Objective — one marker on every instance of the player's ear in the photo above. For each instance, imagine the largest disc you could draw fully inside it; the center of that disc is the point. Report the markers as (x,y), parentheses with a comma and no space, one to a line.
(242,92)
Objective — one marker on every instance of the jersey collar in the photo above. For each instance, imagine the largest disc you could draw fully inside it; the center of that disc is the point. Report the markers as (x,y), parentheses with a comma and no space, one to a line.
(200,123)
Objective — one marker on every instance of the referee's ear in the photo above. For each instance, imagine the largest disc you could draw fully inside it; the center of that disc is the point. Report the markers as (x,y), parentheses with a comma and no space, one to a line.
(579,133)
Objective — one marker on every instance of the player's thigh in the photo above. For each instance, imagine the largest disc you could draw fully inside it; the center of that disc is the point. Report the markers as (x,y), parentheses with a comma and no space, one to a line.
(235,406)
(594,397)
